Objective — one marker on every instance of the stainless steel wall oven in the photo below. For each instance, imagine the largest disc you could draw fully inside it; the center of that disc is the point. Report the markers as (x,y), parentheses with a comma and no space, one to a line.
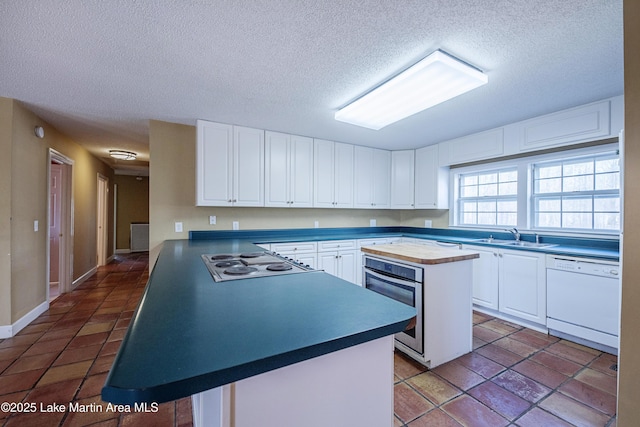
(403,283)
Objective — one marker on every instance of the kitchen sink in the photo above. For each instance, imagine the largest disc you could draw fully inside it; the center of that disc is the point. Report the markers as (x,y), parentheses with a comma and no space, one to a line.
(520,243)
(527,244)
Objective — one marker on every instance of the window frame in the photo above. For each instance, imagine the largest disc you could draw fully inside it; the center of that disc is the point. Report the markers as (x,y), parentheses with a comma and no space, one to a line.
(525,207)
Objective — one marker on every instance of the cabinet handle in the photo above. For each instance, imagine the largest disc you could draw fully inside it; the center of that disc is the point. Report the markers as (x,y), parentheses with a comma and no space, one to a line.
(500,255)
(495,254)
(229,201)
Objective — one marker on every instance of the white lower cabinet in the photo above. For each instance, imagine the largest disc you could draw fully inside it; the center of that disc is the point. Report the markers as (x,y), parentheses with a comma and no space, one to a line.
(301,252)
(338,258)
(511,282)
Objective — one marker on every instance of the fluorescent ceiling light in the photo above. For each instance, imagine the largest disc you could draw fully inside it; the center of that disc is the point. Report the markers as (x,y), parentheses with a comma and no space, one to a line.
(437,78)
(122,155)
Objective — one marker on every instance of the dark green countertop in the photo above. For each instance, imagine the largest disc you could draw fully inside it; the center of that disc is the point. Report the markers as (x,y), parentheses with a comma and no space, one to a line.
(190,334)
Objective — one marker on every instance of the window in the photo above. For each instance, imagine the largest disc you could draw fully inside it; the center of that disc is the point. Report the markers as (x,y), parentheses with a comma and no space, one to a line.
(489,198)
(581,193)
(567,191)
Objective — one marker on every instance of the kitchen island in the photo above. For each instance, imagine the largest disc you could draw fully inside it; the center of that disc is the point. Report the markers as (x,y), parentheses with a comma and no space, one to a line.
(301,349)
(444,304)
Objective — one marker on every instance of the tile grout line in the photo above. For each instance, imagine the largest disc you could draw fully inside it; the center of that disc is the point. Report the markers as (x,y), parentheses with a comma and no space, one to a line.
(533,405)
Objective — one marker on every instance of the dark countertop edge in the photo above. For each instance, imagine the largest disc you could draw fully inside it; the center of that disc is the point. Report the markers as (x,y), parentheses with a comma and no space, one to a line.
(605,248)
(188,386)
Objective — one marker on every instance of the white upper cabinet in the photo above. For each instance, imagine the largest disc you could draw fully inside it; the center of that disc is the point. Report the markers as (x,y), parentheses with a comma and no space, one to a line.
(585,123)
(372,178)
(402,179)
(431,181)
(229,165)
(288,170)
(333,174)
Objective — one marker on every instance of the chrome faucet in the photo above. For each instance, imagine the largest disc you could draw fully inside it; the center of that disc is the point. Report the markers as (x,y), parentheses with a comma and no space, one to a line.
(515,233)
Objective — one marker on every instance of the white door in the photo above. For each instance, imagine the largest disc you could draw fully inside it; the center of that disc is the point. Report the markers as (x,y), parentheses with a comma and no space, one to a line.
(381,191)
(55,217)
(343,183)
(102,221)
(485,277)
(248,176)
(323,170)
(277,169)
(214,167)
(347,266)
(363,177)
(328,261)
(301,177)
(522,285)
(402,179)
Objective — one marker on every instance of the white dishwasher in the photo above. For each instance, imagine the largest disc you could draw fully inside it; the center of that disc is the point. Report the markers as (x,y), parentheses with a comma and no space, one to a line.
(583,300)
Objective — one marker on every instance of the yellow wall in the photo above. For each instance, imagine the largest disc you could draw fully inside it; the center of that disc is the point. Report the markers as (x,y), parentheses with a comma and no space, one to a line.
(133,206)
(24,194)
(629,360)
(6,126)
(86,168)
(172,198)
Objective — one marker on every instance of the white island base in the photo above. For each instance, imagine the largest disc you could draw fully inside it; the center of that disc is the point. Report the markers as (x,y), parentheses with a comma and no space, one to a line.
(350,387)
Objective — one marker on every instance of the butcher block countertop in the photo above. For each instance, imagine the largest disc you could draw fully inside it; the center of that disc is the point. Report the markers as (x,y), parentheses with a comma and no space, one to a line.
(420,254)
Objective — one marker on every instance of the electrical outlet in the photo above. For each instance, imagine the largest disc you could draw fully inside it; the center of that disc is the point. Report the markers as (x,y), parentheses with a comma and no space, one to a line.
(236,225)
(212,220)
(316,224)
(427,223)
(178,227)
(36,225)
(372,223)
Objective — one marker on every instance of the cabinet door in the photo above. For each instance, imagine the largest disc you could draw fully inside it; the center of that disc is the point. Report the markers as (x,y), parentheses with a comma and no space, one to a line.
(277,169)
(363,177)
(343,180)
(328,261)
(485,277)
(523,285)
(381,180)
(248,183)
(301,177)
(214,165)
(402,179)
(431,181)
(308,259)
(323,167)
(347,266)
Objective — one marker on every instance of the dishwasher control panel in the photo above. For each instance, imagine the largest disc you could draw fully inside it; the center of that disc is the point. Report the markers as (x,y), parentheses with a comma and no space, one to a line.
(584,266)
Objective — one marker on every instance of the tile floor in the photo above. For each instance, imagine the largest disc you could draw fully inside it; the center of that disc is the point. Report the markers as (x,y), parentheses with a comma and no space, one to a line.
(514,376)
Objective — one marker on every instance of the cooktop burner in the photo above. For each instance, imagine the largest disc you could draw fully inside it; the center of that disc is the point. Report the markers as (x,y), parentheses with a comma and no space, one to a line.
(240,270)
(221,257)
(252,254)
(225,267)
(283,266)
(225,264)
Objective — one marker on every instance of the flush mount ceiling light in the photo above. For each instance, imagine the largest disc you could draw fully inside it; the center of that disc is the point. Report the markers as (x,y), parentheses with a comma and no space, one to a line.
(437,78)
(122,155)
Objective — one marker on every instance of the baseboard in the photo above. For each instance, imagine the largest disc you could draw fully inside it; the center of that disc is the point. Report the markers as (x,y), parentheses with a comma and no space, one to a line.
(80,280)
(8,331)
(123,251)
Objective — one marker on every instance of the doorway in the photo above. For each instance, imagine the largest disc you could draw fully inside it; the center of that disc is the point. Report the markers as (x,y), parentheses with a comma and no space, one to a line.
(59,225)
(102,224)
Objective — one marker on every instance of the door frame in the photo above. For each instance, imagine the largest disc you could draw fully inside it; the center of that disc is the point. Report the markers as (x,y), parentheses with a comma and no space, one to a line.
(65,267)
(102,220)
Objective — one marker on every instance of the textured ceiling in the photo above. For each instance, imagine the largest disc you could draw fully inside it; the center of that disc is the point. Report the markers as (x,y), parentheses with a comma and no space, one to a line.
(99,70)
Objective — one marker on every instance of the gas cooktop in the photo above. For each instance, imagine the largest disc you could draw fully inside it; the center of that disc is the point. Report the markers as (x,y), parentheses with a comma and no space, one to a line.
(225,267)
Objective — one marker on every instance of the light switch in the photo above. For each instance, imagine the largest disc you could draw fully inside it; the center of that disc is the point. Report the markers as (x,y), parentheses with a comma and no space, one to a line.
(372,223)
(427,223)
(236,225)
(212,220)
(178,227)
(35,225)
(316,224)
